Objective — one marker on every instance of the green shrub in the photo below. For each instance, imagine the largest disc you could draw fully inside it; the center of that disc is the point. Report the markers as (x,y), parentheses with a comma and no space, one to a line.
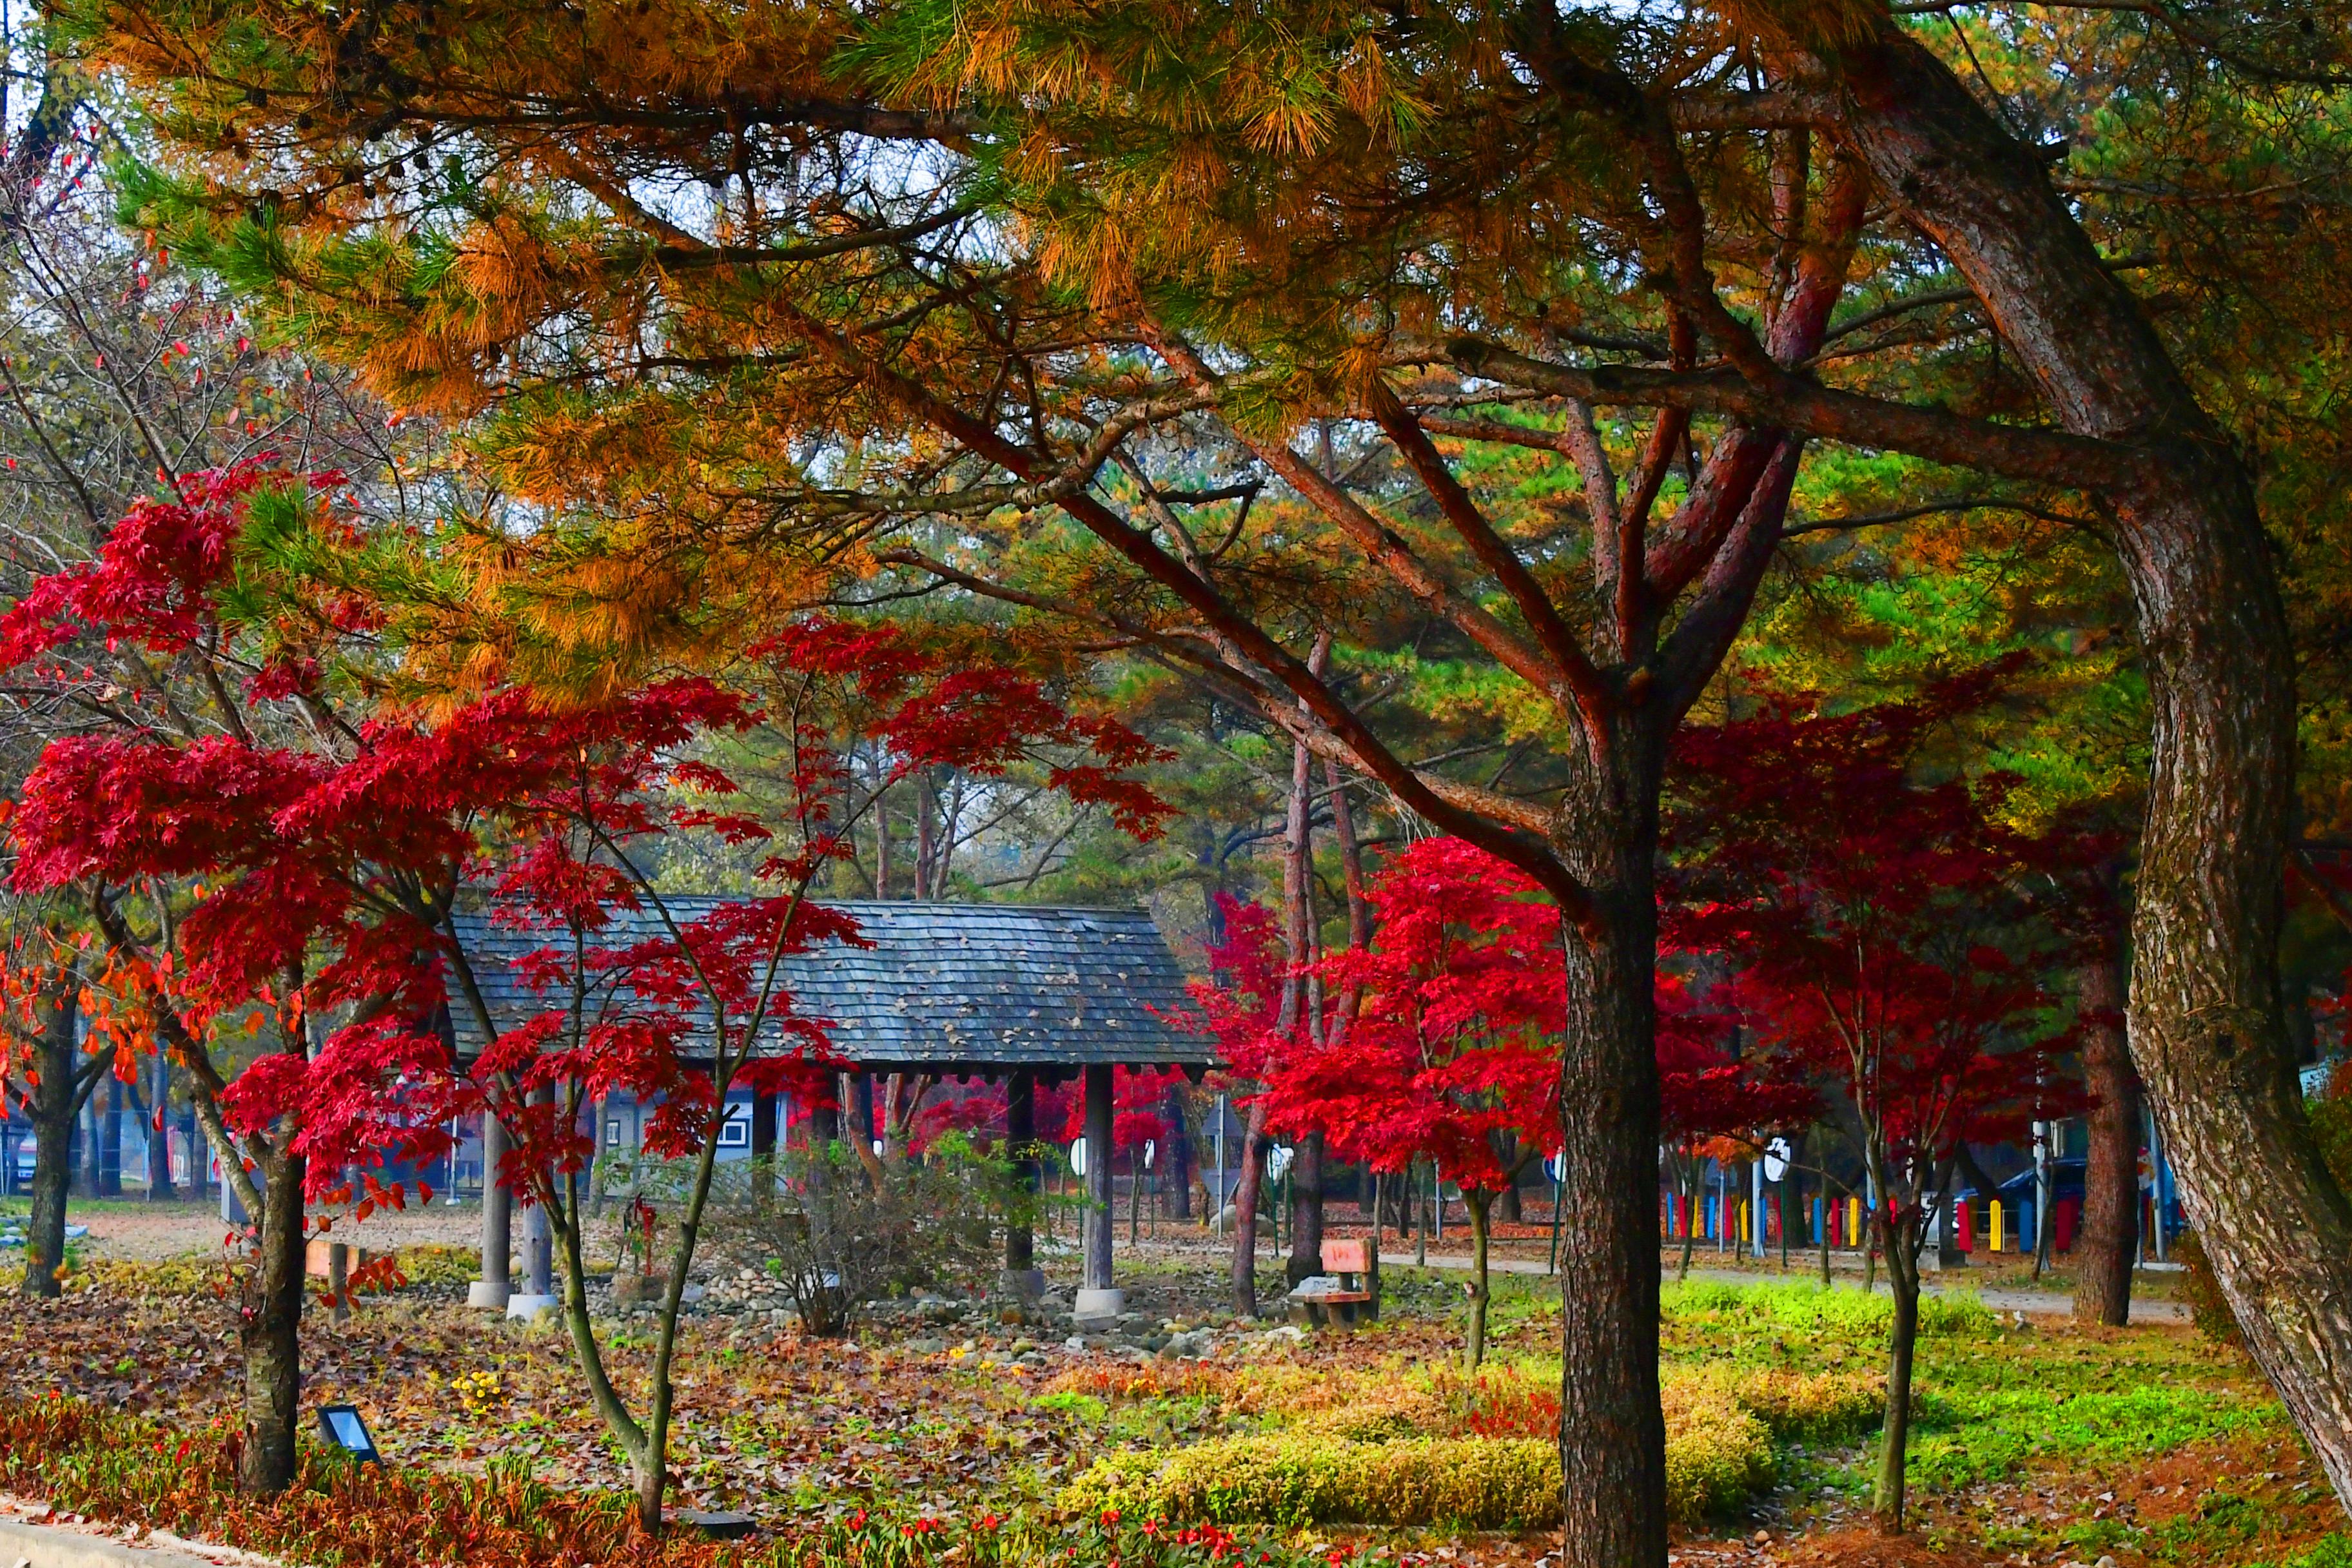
(1804,1304)
(437,1264)
(1071,1402)
(2331,1550)
(2208,1308)
(1392,1411)
(1309,1478)
(1716,1452)
(1377,1463)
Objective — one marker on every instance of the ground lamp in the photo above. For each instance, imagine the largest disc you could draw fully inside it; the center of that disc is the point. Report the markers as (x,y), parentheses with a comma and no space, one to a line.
(341,1425)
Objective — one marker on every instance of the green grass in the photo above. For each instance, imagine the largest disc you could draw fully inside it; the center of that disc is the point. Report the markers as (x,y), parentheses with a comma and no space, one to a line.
(1992,1401)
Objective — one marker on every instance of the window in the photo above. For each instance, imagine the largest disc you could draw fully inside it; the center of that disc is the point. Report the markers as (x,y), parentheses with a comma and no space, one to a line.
(612,1133)
(736,1131)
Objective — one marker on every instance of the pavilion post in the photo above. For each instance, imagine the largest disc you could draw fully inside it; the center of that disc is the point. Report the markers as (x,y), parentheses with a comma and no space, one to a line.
(490,1291)
(1098,1301)
(1022,1275)
(764,1109)
(538,1294)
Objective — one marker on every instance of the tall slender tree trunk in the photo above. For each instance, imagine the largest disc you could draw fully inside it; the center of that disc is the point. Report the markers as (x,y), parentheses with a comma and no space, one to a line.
(2206,1025)
(55,1102)
(1480,1203)
(1245,1194)
(1177,1160)
(1612,1434)
(1827,1200)
(86,1157)
(1508,1207)
(2104,1257)
(161,1187)
(1351,870)
(272,1335)
(1902,1344)
(1690,1205)
(1305,1208)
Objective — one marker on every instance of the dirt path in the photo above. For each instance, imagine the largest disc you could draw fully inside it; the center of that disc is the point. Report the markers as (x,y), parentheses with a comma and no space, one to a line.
(151,1232)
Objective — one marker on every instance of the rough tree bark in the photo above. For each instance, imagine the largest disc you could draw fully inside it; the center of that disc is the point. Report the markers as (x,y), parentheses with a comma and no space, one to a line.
(1887,1498)
(56,1104)
(1613,1436)
(2206,1026)
(1245,1191)
(1508,1207)
(1306,1209)
(1480,1203)
(2104,1257)
(271,1334)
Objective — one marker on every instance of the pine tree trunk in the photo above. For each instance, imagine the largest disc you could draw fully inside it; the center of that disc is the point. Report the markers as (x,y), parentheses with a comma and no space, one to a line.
(1245,1194)
(1612,1434)
(2104,1257)
(272,1337)
(53,1110)
(1306,1209)
(2206,1027)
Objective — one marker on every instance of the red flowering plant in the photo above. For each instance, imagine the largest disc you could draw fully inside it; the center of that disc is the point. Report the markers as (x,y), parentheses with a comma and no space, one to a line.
(1873,915)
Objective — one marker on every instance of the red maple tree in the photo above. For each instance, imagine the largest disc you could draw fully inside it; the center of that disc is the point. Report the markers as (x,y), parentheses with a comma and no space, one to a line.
(278,853)
(1719,1100)
(1874,917)
(1451,1056)
(680,1005)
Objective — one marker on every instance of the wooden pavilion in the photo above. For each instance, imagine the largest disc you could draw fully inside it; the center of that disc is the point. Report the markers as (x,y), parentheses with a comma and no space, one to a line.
(1010,992)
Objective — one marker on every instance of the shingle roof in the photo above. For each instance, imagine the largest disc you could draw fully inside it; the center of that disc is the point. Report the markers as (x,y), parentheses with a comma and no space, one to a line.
(956,987)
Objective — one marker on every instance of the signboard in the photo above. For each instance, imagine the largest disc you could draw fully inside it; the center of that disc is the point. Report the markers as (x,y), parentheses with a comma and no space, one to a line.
(1150,1152)
(1078,1157)
(1777,1155)
(1278,1160)
(1556,1167)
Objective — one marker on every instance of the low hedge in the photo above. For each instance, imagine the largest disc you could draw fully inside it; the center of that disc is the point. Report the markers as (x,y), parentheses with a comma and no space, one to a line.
(1371,1465)
(1311,1478)
(1799,1408)
(1805,1304)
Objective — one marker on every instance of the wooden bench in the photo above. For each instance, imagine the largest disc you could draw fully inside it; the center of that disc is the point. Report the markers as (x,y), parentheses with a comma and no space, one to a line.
(316,1258)
(1347,1262)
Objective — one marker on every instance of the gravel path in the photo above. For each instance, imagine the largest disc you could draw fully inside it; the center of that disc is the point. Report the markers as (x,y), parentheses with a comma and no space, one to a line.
(151,1232)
